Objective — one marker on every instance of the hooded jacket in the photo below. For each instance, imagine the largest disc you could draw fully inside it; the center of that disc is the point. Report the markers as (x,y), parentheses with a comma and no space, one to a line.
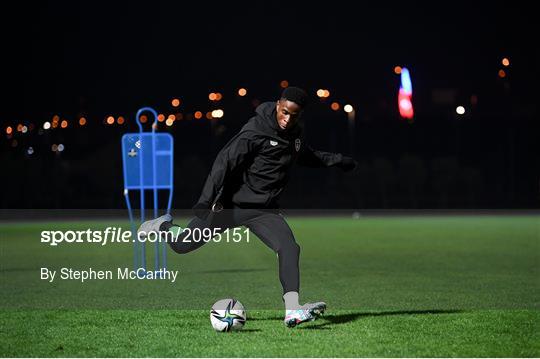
(252,169)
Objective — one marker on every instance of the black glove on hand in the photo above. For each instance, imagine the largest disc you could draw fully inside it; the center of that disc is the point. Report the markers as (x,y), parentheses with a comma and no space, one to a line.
(348,164)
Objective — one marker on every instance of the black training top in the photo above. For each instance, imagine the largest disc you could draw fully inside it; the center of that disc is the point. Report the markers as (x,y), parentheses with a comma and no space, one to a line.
(253,168)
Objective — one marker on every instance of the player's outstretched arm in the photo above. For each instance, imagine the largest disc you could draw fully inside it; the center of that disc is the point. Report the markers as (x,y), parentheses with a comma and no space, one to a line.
(313,158)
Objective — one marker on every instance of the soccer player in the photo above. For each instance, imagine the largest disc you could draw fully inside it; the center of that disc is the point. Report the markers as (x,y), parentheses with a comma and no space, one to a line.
(247,179)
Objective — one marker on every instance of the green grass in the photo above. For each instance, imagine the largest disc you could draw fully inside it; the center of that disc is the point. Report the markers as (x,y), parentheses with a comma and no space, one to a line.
(438,286)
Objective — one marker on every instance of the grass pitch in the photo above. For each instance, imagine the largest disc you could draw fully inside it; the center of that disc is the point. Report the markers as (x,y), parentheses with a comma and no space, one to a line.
(419,286)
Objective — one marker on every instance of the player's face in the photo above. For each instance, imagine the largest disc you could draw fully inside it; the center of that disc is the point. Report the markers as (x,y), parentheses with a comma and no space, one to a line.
(288,113)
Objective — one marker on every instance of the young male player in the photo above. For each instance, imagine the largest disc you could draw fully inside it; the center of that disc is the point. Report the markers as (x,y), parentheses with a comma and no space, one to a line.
(247,178)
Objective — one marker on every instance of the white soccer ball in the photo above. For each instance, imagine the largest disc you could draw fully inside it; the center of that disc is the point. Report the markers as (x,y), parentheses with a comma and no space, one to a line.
(227,314)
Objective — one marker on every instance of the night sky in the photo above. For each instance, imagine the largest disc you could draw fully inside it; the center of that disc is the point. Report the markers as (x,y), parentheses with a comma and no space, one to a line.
(114,57)
(96,59)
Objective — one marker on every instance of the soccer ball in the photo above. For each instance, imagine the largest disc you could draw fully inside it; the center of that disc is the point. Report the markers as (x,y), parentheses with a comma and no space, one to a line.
(227,314)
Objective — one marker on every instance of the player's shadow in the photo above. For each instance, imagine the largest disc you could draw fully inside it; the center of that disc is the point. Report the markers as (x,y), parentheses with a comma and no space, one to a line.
(329,320)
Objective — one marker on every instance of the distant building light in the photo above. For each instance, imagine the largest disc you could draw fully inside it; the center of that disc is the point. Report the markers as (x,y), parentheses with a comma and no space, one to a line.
(30,150)
(54,147)
(405,105)
(217,113)
(348,108)
(460,110)
(335,106)
(110,120)
(284,84)
(505,62)
(9,130)
(160,117)
(64,124)
(406,83)
(82,121)
(120,120)
(502,74)
(60,147)
(242,92)
(24,129)
(46,125)
(175,102)
(219,96)
(198,115)
(144,118)
(323,93)
(397,70)
(212,96)
(169,122)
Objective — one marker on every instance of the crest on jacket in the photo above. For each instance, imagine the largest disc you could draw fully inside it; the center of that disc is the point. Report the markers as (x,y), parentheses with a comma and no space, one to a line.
(297,144)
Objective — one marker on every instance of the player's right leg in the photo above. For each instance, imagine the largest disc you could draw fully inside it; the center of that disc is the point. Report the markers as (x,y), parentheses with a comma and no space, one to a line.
(153,225)
(181,240)
(187,239)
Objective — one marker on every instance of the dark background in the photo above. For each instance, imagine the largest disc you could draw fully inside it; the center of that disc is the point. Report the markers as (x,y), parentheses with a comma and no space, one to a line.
(97,60)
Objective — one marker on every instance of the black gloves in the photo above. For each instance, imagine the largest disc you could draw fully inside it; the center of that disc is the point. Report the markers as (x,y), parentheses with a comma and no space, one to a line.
(348,164)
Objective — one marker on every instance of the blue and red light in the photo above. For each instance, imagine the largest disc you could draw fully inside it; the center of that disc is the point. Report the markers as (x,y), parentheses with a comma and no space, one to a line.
(405,95)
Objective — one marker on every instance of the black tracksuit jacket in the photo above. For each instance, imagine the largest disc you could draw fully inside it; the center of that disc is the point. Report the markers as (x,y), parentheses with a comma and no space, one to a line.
(253,168)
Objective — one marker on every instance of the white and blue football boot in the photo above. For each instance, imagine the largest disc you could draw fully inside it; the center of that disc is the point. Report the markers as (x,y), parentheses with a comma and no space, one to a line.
(153,225)
(306,313)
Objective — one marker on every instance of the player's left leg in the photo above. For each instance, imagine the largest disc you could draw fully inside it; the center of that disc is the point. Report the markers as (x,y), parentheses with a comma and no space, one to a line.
(153,225)
(186,239)
(274,231)
(195,234)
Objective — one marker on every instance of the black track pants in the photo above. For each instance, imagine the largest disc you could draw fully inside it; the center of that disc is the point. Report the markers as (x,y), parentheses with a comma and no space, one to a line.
(270,227)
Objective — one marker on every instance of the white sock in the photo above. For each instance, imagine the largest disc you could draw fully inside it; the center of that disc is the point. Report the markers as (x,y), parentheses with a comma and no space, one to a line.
(291,300)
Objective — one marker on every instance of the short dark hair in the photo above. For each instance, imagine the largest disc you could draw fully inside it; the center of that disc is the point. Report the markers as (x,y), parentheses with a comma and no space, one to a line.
(296,95)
